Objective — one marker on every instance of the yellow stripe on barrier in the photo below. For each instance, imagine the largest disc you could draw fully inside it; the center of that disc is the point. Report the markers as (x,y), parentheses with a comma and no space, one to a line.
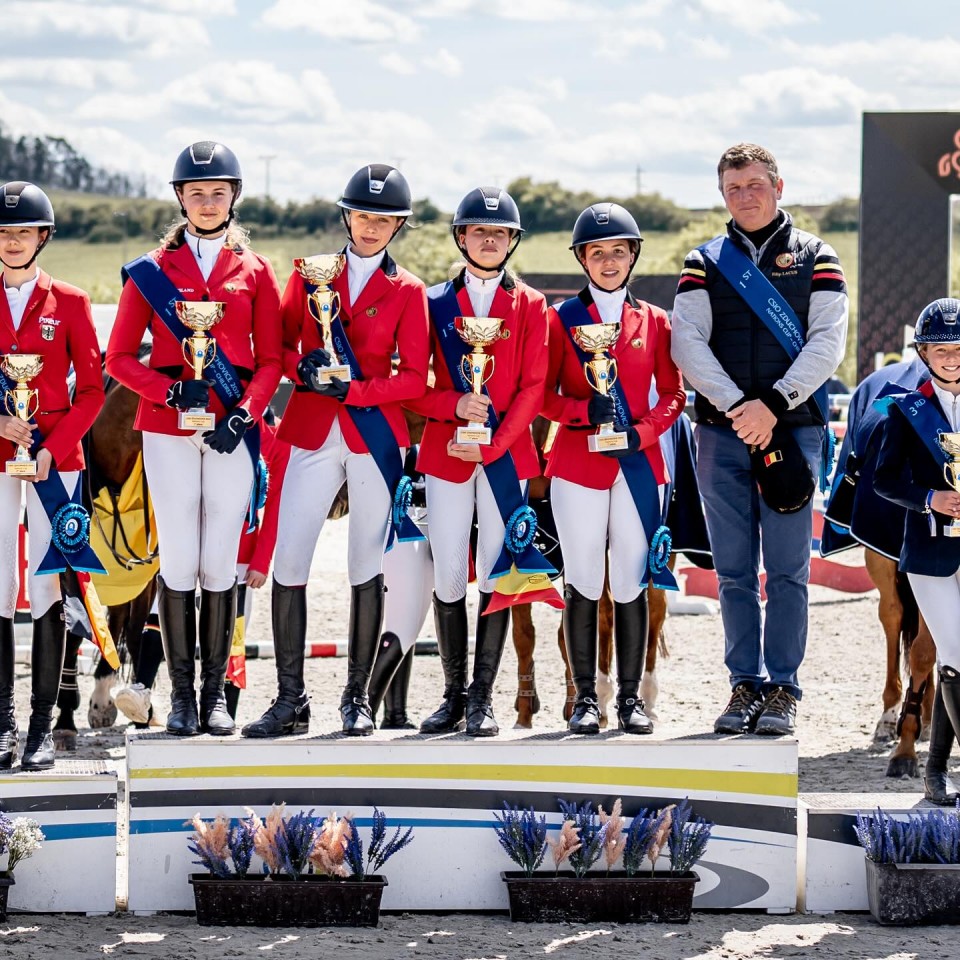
(723,781)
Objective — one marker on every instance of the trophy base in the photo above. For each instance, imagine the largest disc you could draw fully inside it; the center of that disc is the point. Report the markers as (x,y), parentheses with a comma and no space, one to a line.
(598,442)
(474,433)
(953,530)
(21,468)
(196,420)
(341,372)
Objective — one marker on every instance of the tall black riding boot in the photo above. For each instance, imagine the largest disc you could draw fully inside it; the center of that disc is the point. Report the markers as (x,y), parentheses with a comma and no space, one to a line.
(389,658)
(580,617)
(178,630)
(491,637)
(395,699)
(451,624)
(218,616)
(949,689)
(9,734)
(937,787)
(366,619)
(290,711)
(631,622)
(49,643)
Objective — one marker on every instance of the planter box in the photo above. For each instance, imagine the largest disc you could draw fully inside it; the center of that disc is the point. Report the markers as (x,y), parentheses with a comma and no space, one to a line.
(310,901)
(613,898)
(913,893)
(6,882)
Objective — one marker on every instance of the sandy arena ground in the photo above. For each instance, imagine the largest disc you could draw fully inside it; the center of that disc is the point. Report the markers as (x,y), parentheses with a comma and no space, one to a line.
(842,678)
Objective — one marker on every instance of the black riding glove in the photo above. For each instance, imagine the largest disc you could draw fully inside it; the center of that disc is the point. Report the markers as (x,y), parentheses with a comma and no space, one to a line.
(229,431)
(601,409)
(188,394)
(633,443)
(334,387)
(308,369)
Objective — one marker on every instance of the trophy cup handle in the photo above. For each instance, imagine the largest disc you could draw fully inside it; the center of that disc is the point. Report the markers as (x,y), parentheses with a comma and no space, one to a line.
(488,367)
(33,401)
(211,352)
(10,404)
(612,373)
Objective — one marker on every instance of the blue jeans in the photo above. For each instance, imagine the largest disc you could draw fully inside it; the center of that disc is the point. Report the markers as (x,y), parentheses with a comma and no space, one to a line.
(761,654)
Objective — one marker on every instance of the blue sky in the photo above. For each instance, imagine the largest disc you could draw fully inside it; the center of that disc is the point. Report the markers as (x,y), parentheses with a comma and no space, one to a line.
(461,92)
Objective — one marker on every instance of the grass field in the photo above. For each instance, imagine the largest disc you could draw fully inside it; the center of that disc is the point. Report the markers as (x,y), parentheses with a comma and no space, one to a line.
(96,267)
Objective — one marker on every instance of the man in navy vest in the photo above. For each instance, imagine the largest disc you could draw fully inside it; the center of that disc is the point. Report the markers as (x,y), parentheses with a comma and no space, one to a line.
(756,368)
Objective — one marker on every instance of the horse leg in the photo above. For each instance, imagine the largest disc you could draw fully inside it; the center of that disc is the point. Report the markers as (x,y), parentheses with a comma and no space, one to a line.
(605,682)
(102,712)
(923,663)
(883,573)
(68,698)
(649,686)
(571,696)
(524,641)
(922,660)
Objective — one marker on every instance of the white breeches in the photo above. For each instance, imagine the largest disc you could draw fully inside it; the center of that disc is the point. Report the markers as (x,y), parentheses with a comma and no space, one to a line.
(44,590)
(451,507)
(939,601)
(310,484)
(200,498)
(585,519)
(408,576)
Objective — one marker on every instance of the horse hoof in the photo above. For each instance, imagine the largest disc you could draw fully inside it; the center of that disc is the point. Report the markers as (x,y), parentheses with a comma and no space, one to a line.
(886,730)
(65,741)
(102,711)
(523,726)
(902,767)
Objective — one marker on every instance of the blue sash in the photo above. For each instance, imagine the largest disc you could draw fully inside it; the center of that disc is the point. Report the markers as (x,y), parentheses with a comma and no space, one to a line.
(773,309)
(635,467)
(157,289)
(519,519)
(69,520)
(377,434)
(923,415)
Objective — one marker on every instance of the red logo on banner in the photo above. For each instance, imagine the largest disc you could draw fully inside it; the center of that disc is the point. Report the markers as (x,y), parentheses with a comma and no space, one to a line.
(950,162)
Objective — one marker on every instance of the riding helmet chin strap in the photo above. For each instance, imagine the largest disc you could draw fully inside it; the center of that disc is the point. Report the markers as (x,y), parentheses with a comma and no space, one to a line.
(619,286)
(36,252)
(481,266)
(932,374)
(207,232)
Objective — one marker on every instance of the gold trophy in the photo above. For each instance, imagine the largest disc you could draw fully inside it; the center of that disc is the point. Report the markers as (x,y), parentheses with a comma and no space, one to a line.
(199,351)
(477,367)
(601,374)
(950,445)
(324,304)
(23,403)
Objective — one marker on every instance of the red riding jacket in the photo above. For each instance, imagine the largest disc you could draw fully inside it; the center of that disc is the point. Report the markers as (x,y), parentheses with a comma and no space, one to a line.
(249,334)
(390,316)
(642,353)
(58,325)
(515,387)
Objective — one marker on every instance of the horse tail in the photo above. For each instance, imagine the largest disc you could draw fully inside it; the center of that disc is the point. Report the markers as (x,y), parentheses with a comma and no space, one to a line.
(910,621)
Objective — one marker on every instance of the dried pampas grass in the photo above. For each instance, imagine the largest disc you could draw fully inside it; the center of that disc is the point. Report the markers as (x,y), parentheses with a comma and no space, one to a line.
(568,842)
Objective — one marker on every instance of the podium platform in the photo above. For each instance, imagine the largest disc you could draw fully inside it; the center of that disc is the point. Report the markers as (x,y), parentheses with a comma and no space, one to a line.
(75,869)
(447,787)
(832,871)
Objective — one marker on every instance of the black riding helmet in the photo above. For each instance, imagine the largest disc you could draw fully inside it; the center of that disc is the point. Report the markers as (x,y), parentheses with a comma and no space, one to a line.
(606,221)
(377,188)
(207,160)
(24,204)
(487,205)
(939,322)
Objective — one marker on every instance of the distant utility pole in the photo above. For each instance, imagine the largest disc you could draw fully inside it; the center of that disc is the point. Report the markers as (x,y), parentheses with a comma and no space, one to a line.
(266,158)
(639,175)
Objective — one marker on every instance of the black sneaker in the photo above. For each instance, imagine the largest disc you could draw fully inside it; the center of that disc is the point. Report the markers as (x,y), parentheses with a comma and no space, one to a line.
(741,713)
(779,714)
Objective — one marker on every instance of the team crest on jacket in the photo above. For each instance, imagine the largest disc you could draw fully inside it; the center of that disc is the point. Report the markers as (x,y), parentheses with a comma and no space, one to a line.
(784,260)
(48,327)
(636,343)
(371,311)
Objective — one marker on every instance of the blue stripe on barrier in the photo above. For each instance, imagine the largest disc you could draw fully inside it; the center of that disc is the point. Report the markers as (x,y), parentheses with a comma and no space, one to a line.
(78,831)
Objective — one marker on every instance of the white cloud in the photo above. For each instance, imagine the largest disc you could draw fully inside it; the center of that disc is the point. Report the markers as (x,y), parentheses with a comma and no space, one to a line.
(708,48)
(73,72)
(396,63)
(363,21)
(205,10)
(443,61)
(753,16)
(633,37)
(554,88)
(157,34)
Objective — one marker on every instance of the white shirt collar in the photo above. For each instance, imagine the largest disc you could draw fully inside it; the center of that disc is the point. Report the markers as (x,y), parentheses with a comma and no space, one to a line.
(18,297)
(948,402)
(360,270)
(609,303)
(482,285)
(205,251)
